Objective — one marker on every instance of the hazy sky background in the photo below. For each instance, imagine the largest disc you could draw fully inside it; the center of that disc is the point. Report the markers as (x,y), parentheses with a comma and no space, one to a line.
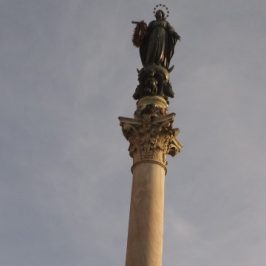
(68,70)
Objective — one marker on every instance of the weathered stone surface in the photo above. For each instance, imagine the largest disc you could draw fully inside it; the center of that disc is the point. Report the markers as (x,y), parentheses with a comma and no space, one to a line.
(145,233)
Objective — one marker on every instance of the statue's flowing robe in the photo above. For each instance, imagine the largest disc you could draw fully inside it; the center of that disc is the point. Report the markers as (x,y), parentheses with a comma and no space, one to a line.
(158,44)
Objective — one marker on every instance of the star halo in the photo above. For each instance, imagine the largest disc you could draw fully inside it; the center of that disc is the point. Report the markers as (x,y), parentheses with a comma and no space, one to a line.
(163,8)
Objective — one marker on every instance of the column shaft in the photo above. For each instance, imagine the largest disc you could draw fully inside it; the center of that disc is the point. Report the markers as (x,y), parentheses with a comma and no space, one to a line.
(145,233)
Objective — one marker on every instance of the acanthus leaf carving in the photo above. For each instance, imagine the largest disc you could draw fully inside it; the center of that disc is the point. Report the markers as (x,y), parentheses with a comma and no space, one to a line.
(151,137)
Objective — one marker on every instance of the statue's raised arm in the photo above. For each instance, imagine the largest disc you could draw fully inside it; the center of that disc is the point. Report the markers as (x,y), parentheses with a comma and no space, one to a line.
(156,43)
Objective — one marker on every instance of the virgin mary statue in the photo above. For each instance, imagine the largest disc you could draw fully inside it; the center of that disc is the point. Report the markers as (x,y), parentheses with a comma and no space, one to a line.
(156,41)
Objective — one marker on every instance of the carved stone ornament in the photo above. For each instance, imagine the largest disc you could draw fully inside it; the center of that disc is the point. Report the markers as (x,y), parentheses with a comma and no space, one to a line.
(151,134)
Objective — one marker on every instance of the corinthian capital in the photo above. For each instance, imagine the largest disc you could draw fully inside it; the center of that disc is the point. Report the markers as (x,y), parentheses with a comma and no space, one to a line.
(151,135)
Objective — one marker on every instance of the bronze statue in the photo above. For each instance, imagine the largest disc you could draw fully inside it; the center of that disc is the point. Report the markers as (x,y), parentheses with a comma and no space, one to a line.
(156,43)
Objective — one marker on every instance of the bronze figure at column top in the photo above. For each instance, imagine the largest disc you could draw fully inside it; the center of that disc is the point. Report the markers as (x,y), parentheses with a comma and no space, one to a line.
(156,43)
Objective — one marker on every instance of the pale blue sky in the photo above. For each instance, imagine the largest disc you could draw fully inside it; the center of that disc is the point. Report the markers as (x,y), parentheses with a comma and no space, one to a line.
(68,70)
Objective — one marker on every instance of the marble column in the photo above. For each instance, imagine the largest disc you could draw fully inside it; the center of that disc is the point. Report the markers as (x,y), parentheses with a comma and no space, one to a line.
(151,137)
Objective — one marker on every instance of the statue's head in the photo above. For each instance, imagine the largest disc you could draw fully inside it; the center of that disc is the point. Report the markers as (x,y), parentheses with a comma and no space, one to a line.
(159,15)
